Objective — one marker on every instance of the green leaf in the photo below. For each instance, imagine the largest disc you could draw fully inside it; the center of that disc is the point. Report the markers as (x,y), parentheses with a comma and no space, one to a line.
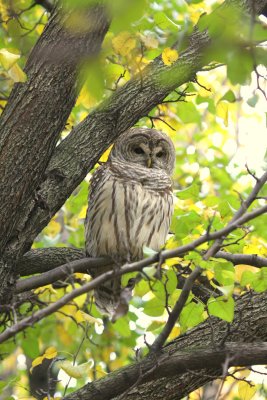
(224,273)
(164,22)
(171,281)
(183,224)
(125,12)
(159,290)
(188,113)
(222,307)
(122,326)
(141,288)
(30,345)
(154,307)
(229,96)
(155,325)
(239,66)
(257,281)
(191,315)
(191,192)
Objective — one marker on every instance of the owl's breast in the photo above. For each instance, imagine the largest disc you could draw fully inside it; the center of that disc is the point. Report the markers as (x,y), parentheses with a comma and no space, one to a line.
(126,216)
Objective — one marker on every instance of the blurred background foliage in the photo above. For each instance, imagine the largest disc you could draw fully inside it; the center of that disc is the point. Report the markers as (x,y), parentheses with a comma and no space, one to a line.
(218,126)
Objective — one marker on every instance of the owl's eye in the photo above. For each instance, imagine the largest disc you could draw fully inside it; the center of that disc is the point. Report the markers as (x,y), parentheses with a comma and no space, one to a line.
(138,150)
(160,154)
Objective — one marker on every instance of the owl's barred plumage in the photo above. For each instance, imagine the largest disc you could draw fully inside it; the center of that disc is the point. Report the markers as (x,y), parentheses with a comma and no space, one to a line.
(130,206)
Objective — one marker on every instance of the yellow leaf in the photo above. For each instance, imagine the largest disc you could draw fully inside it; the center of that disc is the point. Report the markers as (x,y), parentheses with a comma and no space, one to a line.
(76,371)
(53,228)
(123,43)
(50,352)
(239,269)
(105,155)
(169,56)
(245,391)
(80,300)
(16,73)
(49,288)
(173,261)
(82,213)
(69,309)
(222,111)
(8,59)
(81,316)
(174,332)
(37,361)
(204,88)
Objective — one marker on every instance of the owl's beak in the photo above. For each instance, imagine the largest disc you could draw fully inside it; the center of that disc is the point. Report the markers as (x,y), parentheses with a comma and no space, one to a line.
(149,162)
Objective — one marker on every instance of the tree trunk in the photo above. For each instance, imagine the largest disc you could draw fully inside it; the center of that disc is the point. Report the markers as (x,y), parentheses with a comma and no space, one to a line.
(34,117)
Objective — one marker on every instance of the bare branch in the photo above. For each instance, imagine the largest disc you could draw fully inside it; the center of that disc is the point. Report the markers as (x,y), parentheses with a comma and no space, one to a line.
(248,259)
(245,204)
(61,272)
(173,316)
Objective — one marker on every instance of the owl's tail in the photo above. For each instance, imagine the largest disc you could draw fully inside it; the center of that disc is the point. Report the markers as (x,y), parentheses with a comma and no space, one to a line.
(112,300)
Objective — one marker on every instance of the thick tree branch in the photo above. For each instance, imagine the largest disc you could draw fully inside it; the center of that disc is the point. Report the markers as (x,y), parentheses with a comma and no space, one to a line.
(81,149)
(37,261)
(250,324)
(170,365)
(61,272)
(28,134)
(248,259)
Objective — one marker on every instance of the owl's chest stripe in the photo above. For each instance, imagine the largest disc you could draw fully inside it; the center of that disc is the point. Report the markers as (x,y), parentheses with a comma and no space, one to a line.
(127,215)
(115,212)
(142,218)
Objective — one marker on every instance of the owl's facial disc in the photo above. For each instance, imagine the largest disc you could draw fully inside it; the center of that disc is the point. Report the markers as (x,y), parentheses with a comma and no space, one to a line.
(145,147)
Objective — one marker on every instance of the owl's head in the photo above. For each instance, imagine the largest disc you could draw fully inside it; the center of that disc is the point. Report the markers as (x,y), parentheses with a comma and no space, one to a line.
(146,147)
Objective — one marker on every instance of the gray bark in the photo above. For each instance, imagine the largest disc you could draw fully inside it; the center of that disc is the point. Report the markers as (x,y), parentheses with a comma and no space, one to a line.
(33,119)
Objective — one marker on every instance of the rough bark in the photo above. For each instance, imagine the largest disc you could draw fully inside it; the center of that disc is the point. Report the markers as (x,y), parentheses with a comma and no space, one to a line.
(81,149)
(37,261)
(163,375)
(29,125)
(36,114)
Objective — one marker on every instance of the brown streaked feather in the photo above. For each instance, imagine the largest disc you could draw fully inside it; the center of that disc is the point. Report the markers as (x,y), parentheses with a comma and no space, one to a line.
(130,206)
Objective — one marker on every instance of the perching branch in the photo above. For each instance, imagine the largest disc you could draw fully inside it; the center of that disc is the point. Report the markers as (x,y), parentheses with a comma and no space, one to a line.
(37,261)
(137,266)
(61,272)
(49,277)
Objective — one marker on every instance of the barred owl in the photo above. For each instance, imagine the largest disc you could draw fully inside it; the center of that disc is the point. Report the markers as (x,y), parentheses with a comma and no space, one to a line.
(130,206)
